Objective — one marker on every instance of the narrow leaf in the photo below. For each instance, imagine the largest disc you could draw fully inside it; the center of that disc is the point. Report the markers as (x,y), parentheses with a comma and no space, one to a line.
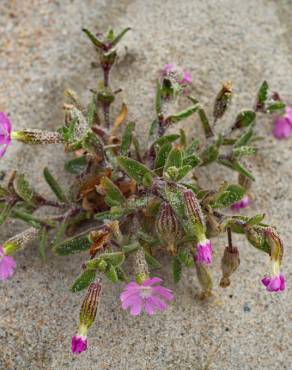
(83,281)
(176,269)
(54,185)
(127,138)
(73,245)
(133,169)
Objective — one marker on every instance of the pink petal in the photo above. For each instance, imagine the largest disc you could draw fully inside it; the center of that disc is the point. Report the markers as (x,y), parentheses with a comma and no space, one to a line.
(127,294)
(283,284)
(136,308)
(164,292)
(282,128)
(266,281)
(149,308)
(131,301)
(152,281)
(157,302)
(7,267)
(79,344)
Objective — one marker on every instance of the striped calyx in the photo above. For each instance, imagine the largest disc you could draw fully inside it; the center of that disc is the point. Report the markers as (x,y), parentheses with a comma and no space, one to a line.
(167,227)
(229,264)
(194,213)
(20,240)
(34,136)
(89,305)
(276,244)
(222,100)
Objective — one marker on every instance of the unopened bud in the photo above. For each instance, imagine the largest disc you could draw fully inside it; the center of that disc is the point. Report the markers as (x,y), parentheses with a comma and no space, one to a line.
(205,279)
(35,136)
(89,305)
(229,264)
(167,227)
(222,100)
(20,240)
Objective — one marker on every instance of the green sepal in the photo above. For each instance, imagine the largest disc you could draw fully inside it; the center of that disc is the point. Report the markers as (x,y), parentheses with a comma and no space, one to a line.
(54,185)
(77,244)
(176,269)
(127,138)
(133,169)
(83,280)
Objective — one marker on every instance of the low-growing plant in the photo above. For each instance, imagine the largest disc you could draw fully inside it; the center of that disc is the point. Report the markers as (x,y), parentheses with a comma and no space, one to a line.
(137,200)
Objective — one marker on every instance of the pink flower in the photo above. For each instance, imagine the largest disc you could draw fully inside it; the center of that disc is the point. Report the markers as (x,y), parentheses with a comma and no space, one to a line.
(7,265)
(183,77)
(146,295)
(5,133)
(275,283)
(242,203)
(204,252)
(79,343)
(283,125)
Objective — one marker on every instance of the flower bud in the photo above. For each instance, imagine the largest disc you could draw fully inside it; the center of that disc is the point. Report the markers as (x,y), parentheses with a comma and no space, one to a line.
(35,136)
(222,100)
(229,264)
(167,227)
(205,279)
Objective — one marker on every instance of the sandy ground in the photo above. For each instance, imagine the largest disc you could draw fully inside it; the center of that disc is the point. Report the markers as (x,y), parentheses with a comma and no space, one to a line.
(42,52)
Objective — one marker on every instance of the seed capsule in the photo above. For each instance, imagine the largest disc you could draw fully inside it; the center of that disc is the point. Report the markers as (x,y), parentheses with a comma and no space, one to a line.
(167,227)
(89,305)
(229,264)
(222,100)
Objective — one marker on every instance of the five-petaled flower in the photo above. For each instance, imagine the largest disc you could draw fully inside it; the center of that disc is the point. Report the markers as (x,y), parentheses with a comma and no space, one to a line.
(204,252)
(242,203)
(146,295)
(5,133)
(283,124)
(7,265)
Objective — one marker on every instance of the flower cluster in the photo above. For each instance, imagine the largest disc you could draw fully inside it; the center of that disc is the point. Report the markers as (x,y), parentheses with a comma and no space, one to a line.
(129,204)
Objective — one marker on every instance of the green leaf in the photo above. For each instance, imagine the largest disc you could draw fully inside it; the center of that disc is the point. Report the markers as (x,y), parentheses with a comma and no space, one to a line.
(243,151)
(176,269)
(183,138)
(54,185)
(205,123)
(120,36)
(241,169)
(127,138)
(244,119)
(230,195)
(158,98)
(83,281)
(153,262)
(129,248)
(162,155)
(192,147)
(166,139)
(77,165)
(97,43)
(183,171)
(112,191)
(174,159)
(73,245)
(245,138)
(112,274)
(29,218)
(43,242)
(210,154)
(114,258)
(263,93)
(176,201)
(257,219)
(153,130)
(174,118)
(275,106)
(5,212)
(92,143)
(186,258)
(24,190)
(133,169)
(191,160)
